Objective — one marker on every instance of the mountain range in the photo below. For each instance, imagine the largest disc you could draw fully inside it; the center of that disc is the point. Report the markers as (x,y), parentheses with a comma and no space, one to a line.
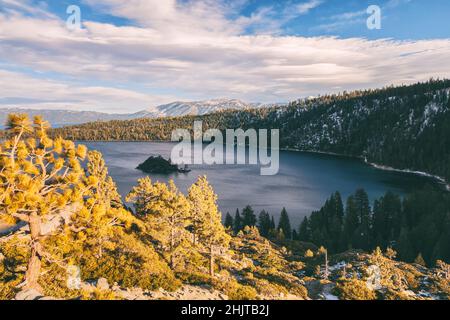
(179,108)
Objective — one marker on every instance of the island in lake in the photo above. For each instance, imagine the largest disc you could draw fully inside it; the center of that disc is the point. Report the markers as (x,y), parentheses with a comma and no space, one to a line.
(160,165)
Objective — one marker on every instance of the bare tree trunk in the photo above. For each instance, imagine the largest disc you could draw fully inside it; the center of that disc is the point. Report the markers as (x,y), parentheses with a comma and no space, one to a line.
(172,238)
(326,265)
(172,245)
(34,264)
(211,261)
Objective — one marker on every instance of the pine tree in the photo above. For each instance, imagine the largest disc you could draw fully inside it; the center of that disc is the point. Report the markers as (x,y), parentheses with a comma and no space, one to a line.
(248,217)
(441,250)
(229,222)
(386,219)
(93,225)
(351,222)
(211,232)
(335,220)
(272,223)
(284,224)
(39,177)
(105,189)
(362,206)
(264,223)
(237,222)
(303,231)
(167,213)
(404,247)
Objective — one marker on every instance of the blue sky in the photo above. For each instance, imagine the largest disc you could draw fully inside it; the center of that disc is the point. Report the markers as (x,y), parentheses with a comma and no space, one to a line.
(402,19)
(135,54)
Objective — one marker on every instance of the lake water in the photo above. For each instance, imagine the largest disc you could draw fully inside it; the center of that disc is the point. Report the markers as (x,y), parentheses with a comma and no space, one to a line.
(304,181)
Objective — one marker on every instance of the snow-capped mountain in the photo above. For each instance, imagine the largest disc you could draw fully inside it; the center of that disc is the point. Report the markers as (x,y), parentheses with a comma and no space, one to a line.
(179,108)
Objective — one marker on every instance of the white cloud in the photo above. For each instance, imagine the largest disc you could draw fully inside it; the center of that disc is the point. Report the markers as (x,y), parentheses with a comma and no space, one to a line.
(41,93)
(171,16)
(174,52)
(343,20)
(396,3)
(305,7)
(16,6)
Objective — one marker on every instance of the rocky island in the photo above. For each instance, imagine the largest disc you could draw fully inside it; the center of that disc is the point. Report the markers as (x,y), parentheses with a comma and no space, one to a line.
(160,165)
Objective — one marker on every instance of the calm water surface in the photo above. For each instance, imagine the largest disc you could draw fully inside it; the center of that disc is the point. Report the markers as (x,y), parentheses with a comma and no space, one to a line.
(304,182)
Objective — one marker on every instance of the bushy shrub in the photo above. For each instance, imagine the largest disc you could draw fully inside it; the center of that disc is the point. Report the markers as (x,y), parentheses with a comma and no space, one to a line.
(354,289)
(14,255)
(131,264)
(194,278)
(267,289)
(391,294)
(98,294)
(240,292)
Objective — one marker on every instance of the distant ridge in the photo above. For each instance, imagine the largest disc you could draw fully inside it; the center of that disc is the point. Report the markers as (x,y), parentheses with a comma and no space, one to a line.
(68,117)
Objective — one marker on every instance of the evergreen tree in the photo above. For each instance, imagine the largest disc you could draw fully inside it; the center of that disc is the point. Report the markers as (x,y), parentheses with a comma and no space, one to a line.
(102,210)
(272,223)
(386,219)
(303,231)
(229,222)
(441,250)
(362,206)
(39,177)
(404,247)
(237,222)
(351,222)
(284,224)
(336,221)
(211,232)
(167,212)
(264,223)
(248,217)
(105,189)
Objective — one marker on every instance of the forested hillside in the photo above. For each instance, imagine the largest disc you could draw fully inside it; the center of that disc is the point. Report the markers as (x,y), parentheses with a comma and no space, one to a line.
(417,227)
(405,127)
(65,233)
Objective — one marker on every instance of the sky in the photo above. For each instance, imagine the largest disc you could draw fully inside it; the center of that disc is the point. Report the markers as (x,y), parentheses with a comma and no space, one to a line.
(131,55)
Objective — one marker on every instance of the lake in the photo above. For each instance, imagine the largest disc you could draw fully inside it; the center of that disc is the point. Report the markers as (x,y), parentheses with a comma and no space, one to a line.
(304,182)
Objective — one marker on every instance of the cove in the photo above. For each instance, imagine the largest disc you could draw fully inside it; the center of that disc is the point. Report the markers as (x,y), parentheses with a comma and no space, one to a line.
(302,185)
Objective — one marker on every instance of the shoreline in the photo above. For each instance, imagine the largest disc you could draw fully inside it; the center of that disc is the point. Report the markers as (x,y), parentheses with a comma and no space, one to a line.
(437,178)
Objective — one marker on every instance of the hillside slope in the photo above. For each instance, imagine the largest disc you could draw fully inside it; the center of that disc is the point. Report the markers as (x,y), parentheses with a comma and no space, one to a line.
(66,234)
